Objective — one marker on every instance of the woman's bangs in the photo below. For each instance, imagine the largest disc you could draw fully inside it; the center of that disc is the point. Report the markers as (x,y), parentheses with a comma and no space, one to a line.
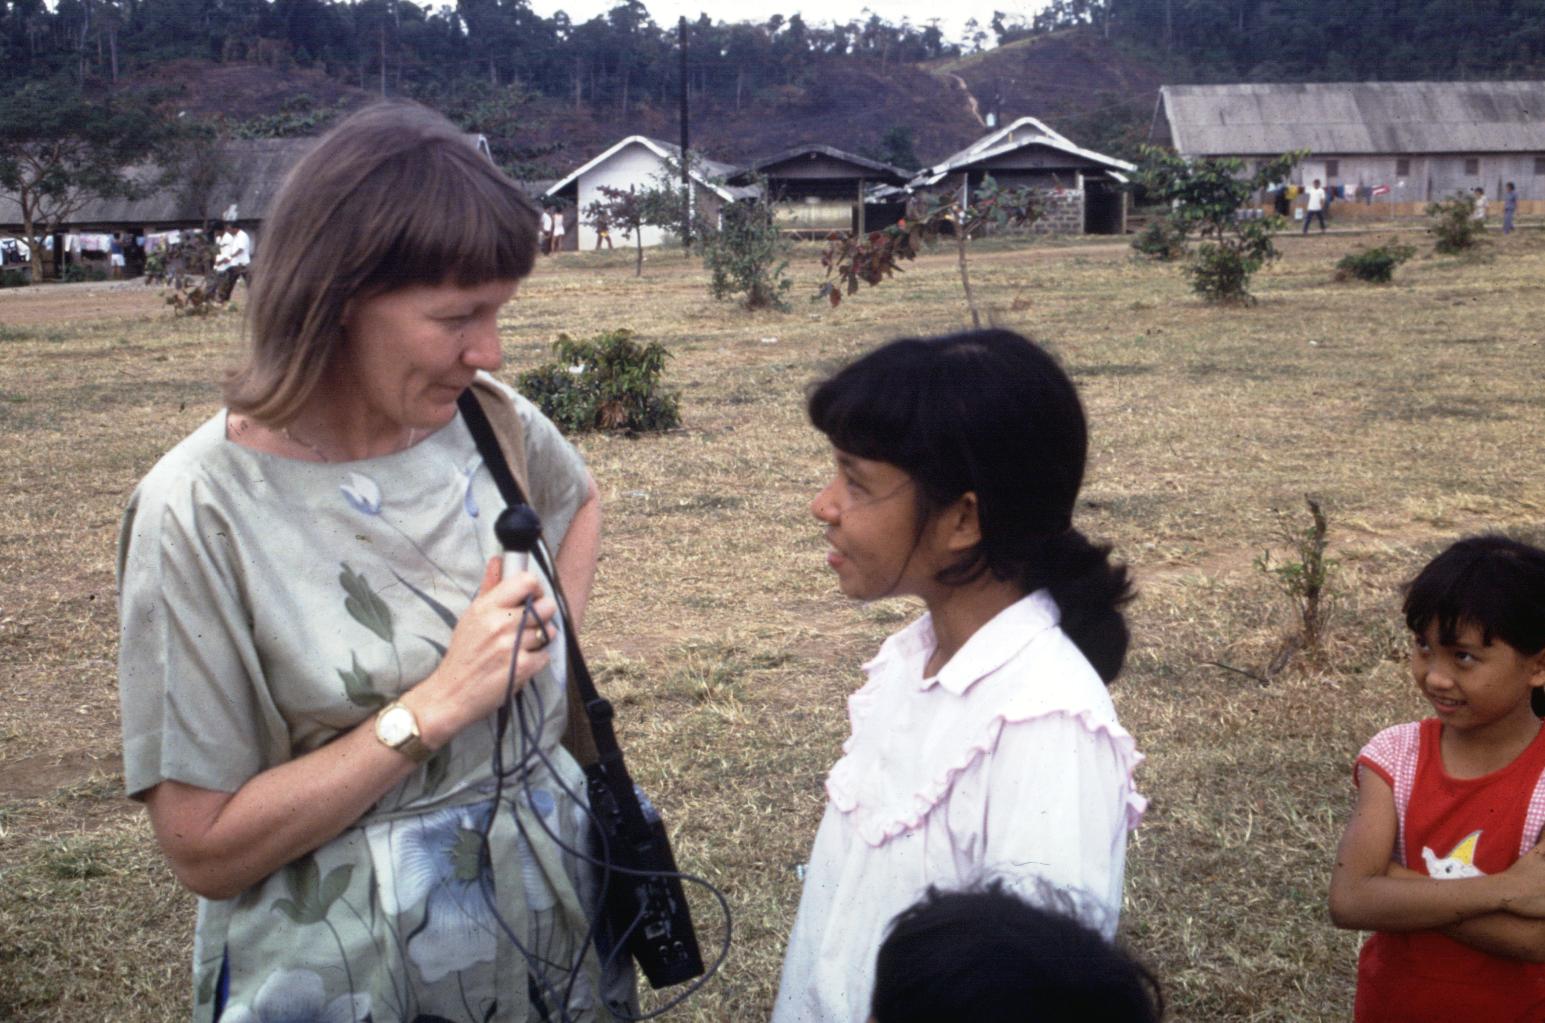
(464,225)
(496,241)
(864,420)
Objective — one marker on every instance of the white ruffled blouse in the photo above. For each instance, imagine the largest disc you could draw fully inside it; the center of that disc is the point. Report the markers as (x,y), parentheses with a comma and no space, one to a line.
(1009,764)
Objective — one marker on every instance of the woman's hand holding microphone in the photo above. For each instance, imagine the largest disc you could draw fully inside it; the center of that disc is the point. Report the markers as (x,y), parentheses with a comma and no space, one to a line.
(473,677)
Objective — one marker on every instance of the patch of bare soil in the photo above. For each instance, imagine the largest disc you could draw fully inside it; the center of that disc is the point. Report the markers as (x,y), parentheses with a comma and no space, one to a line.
(38,776)
(45,305)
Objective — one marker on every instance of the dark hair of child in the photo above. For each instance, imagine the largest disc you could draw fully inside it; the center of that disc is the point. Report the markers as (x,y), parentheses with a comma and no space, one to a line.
(987,956)
(989,412)
(1491,582)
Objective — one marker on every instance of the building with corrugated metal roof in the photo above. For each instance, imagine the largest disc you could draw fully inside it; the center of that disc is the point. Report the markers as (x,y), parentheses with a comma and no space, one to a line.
(637,162)
(820,189)
(1422,141)
(1082,192)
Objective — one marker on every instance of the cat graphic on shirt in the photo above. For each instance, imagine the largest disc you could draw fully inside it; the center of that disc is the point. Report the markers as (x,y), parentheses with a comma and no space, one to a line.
(1460,862)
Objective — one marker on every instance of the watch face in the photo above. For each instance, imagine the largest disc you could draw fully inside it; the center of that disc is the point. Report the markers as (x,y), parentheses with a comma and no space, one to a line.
(396,726)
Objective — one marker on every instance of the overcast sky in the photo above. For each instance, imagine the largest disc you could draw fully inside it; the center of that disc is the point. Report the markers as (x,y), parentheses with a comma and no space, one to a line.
(952,16)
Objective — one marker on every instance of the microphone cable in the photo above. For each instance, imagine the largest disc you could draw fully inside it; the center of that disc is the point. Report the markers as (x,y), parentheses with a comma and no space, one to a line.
(529,734)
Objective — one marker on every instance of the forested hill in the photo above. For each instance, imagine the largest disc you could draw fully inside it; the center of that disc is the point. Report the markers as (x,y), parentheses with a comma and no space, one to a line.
(1318,40)
(548,91)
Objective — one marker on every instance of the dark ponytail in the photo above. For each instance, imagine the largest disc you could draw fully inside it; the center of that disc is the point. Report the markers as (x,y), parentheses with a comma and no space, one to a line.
(990,413)
(1090,591)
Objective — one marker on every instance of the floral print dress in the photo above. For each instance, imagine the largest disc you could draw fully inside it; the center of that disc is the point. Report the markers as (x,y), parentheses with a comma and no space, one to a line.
(269,604)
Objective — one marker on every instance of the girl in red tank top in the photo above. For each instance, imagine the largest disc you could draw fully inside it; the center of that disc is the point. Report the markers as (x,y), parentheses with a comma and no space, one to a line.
(1442,858)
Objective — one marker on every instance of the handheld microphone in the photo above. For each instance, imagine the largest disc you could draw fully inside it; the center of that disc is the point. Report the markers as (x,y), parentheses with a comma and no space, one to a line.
(518,529)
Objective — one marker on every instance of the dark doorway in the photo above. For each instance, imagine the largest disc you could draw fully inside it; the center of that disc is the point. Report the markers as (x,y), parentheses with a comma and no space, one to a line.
(1104,208)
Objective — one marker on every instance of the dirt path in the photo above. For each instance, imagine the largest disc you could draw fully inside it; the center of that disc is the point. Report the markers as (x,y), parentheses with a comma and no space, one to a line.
(976,110)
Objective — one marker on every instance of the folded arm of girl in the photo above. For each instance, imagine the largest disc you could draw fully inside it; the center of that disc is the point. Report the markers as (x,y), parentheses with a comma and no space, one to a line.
(1365,895)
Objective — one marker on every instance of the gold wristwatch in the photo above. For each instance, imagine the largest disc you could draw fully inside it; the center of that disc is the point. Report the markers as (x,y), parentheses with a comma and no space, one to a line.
(397,728)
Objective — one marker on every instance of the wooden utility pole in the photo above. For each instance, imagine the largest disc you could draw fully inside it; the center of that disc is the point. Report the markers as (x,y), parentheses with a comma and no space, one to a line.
(686,162)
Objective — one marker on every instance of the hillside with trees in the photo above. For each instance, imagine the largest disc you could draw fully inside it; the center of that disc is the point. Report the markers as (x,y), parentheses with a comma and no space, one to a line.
(1314,40)
(549,92)
(546,92)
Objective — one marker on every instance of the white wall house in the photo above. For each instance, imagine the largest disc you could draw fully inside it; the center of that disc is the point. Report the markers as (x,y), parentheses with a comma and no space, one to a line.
(635,162)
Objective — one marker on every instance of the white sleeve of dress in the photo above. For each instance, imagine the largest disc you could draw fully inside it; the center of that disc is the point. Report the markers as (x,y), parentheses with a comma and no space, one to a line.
(1057,795)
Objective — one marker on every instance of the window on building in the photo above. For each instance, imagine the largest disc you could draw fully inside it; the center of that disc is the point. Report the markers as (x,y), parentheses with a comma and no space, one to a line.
(1333,168)
(1403,167)
(1472,165)
(1539,165)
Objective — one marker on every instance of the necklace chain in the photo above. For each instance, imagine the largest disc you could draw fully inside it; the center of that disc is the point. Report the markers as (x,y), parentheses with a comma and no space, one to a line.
(322,455)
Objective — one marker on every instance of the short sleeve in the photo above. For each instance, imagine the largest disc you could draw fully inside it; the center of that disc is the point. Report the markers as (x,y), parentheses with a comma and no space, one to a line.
(189,678)
(1058,798)
(1391,754)
(555,471)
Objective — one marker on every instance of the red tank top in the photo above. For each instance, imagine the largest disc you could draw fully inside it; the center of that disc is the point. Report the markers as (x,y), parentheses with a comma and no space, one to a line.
(1454,827)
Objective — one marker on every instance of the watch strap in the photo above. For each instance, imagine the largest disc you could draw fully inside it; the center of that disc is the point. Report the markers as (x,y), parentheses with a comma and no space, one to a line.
(410,745)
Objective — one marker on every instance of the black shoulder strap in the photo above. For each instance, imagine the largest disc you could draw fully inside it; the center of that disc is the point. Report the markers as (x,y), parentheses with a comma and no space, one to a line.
(488,446)
(597,710)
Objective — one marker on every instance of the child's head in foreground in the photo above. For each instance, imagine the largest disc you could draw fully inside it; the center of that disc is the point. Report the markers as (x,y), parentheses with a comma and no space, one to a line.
(981,425)
(1477,618)
(988,956)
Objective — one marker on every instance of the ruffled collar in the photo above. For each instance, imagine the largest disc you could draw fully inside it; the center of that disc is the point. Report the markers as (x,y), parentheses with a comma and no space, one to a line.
(913,736)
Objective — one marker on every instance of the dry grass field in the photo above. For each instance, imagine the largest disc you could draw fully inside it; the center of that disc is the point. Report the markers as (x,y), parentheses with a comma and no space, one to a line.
(1413,411)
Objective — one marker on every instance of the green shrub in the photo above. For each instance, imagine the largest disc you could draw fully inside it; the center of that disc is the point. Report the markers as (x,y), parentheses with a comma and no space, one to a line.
(1162,239)
(1207,197)
(75,273)
(609,382)
(1376,264)
(1454,226)
(747,255)
(1221,271)
(15,278)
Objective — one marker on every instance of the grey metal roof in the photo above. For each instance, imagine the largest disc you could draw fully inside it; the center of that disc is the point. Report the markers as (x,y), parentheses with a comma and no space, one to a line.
(1024,132)
(705,172)
(862,163)
(1357,117)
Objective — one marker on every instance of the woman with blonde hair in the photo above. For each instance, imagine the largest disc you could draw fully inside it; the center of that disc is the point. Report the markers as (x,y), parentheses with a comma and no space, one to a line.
(317,635)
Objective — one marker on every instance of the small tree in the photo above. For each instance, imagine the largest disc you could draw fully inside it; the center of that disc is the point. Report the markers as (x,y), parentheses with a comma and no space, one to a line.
(624,211)
(1304,578)
(1207,197)
(1454,226)
(870,259)
(665,204)
(746,254)
(59,150)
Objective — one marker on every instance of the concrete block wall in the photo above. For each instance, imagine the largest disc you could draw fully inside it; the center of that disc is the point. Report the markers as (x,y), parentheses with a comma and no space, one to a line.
(1061,213)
